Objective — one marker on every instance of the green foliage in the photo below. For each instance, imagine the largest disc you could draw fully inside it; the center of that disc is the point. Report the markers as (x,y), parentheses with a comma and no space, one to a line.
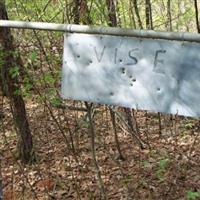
(190,195)
(35,10)
(1,58)
(17,92)
(27,87)
(56,101)
(40,99)
(189,125)
(145,163)
(33,56)
(127,180)
(48,78)
(14,72)
(162,166)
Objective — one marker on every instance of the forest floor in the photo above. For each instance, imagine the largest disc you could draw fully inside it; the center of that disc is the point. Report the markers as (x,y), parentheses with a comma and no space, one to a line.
(167,169)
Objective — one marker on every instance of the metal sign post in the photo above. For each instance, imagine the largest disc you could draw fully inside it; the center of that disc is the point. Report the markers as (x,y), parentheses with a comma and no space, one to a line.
(158,71)
(71,28)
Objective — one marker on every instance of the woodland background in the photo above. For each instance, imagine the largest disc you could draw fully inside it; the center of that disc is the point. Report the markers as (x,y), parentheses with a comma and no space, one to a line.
(59,149)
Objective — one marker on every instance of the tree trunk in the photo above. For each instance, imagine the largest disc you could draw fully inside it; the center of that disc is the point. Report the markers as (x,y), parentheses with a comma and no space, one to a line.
(81,12)
(85,13)
(111,13)
(76,11)
(137,14)
(149,20)
(10,62)
(197,15)
(169,16)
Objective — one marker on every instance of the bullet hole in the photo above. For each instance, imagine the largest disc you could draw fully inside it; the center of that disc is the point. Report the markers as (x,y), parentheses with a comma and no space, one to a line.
(130,76)
(133,79)
(158,89)
(111,93)
(78,56)
(120,60)
(90,61)
(123,70)
(131,84)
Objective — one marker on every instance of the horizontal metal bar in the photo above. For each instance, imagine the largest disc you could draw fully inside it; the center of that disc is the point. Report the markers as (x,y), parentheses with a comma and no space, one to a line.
(72,28)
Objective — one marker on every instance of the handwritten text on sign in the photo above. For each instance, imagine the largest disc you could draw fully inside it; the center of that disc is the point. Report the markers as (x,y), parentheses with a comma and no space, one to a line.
(156,75)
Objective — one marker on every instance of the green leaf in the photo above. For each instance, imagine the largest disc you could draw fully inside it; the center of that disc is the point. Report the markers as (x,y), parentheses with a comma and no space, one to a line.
(56,101)
(33,56)
(145,163)
(192,195)
(163,163)
(14,72)
(48,78)
(17,92)
(189,125)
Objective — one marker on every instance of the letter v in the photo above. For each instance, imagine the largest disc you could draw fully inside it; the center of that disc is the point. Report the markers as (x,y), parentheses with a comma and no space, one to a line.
(99,57)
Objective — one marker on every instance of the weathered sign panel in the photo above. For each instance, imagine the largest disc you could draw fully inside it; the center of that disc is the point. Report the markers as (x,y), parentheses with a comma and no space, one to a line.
(151,74)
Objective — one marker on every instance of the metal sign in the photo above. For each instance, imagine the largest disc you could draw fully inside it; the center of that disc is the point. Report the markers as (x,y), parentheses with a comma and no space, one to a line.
(151,74)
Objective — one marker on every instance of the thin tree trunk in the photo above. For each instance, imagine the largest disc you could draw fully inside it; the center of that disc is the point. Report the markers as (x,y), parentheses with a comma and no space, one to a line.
(113,119)
(76,11)
(132,14)
(149,23)
(113,22)
(133,130)
(119,23)
(93,151)
(80,15)
(160,123)
(12,61)
(137,14)
(197,15)
(169,16)
(1,181)
(1,100)
(85,13)
(81,12)
(111,13)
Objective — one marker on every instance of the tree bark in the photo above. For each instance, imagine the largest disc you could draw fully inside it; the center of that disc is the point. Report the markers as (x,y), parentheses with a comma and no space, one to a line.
(149,20)
(169,16)
(81,12)
(197,15)
(137,14)
(76,11)
(85,13)
(111,13)
(10,60)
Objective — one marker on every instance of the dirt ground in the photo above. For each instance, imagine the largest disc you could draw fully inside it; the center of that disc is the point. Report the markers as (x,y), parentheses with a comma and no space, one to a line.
(168,168)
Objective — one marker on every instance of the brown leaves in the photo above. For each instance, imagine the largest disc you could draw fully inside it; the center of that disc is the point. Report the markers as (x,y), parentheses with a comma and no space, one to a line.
(45,184)
(9,194)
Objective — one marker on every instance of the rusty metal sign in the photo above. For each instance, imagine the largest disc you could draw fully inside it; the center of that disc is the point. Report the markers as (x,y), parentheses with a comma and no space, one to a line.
(151,74)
